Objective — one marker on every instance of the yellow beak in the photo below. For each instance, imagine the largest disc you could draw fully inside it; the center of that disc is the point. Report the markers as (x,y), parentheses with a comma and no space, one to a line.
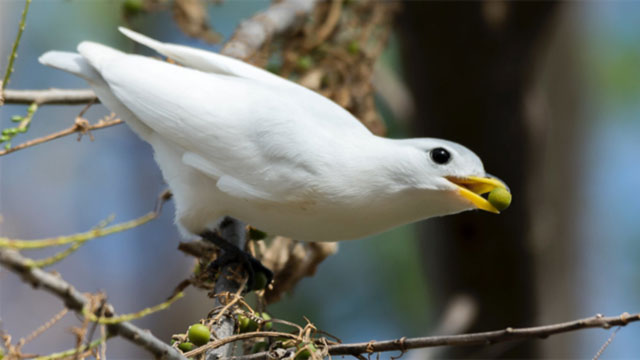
(472,187)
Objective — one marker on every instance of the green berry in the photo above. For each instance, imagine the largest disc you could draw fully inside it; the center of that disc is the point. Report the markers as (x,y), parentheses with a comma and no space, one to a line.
(306,351)
(186,346)
(500,198)
(267,325)
(243,324)
(199,334)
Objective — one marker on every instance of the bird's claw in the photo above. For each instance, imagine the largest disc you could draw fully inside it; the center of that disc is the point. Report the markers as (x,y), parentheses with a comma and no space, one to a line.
(258,275)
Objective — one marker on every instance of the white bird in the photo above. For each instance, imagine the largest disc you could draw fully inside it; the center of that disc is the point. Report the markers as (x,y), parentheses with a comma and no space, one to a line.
(234,140)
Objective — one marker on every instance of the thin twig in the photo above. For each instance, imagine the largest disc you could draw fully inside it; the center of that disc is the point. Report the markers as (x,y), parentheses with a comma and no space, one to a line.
(79,126)
(606,344)
(85,236)
(483,338)
(74,351)
(128,317)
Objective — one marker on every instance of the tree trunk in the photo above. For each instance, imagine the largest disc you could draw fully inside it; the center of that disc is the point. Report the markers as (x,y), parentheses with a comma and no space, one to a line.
(469,66)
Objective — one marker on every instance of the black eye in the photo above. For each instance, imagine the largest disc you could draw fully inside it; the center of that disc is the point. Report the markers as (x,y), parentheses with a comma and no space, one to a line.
(440,156)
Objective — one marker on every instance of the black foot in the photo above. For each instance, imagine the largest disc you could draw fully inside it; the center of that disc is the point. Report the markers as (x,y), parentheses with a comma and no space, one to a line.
(231,254)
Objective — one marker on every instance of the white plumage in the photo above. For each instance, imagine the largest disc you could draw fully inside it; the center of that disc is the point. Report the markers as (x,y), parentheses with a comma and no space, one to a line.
(233,139)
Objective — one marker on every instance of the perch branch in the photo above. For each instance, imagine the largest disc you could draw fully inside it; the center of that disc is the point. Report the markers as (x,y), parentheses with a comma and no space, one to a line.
(76,301)
(248,38)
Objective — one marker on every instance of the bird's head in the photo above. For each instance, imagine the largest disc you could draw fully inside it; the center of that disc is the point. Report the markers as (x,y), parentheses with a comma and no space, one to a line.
(452,175)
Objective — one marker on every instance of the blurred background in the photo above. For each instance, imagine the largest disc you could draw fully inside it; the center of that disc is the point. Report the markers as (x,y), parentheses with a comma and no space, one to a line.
(545,93)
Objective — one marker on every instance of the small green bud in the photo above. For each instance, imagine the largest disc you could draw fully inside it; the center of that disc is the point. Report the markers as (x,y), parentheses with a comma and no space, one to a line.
(353,48)
(306,352)
(255,234)
(186,346)
(198,334)
(500,198)
(305,62)
(7,146)
(246,325)
(17,118)
(267,325)
(4,138)
(23,129)
(32,108)
(6,131)
(133,7)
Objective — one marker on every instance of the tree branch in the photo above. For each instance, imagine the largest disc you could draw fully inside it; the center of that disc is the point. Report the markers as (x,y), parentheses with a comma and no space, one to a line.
(483,338)
(76,301)
(254,32)
(50,96)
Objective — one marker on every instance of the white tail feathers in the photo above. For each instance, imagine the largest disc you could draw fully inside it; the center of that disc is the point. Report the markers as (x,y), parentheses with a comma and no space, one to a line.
(142,39)
(204,60)
(97,54)
(70,62)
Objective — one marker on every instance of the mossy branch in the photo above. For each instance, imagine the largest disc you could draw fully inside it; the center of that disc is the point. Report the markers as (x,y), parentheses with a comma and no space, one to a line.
(76,238)
(16,43)
(128,317)
(74,351)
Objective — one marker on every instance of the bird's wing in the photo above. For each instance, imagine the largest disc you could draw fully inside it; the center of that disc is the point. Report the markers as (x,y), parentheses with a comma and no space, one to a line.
(207,61)
(257,139)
